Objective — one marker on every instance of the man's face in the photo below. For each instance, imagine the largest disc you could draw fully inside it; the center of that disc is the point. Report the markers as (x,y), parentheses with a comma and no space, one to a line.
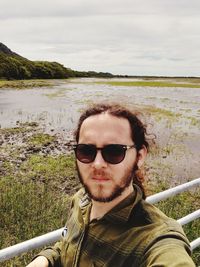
(104,181)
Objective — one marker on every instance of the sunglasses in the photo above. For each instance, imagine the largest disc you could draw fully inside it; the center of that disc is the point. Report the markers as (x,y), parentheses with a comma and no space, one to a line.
(112,153)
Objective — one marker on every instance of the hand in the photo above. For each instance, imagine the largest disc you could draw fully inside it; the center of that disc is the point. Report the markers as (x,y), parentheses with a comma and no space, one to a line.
(40,261)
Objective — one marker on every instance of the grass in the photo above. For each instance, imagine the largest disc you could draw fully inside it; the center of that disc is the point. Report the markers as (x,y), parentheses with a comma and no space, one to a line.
(148,81)
(159,114)
(34,199)
(23,84)
(180,206)
(48,169)
(149,84)
(162,112)
(28,209)
(35,193)
(58,93)
(22,128)
(161,177)
(35,204)
(194,121)
(40,139)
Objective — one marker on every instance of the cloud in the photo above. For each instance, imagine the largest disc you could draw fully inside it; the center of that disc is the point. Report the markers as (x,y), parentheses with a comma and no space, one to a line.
(77,8)
(124,37)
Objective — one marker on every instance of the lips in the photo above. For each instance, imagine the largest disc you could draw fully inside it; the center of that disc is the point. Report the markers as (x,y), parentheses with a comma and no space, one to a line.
(100,176)
(100,179)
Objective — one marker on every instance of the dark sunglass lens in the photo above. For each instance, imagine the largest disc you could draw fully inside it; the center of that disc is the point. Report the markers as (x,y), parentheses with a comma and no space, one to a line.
(85,153)
(113,154)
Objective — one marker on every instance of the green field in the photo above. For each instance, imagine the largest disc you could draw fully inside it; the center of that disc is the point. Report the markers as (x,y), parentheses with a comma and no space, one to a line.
(186,84)
(37,169)
(36,186)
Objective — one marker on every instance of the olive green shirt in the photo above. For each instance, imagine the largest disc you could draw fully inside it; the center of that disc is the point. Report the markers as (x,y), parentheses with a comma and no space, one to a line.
(134,233)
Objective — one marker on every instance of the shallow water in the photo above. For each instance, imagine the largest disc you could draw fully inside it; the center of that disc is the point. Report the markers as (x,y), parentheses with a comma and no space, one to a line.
(58,107)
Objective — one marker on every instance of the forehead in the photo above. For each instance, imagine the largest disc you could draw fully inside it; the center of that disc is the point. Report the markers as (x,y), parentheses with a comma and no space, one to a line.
(105,128)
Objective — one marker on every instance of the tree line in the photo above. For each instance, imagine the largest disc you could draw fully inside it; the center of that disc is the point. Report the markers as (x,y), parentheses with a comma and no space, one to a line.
(16,67)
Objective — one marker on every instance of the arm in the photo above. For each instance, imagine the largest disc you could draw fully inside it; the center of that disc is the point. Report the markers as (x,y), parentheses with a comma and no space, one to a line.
(40,261)
(168,253)
(49,257)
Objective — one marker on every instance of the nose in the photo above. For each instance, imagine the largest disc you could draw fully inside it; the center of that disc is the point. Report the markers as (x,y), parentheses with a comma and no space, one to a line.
(99,162)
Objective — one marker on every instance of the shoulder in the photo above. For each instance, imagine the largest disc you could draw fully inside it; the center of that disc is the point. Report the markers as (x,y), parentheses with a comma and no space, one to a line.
(168,252)
(160,224)
(80,199)
(78,195)
(161,236)
(146,214)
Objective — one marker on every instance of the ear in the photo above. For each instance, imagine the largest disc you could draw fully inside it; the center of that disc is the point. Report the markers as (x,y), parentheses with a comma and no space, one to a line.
(142,153)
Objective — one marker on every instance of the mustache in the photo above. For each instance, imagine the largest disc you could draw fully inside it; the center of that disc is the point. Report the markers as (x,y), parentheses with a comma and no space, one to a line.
(95,172)
(100,173)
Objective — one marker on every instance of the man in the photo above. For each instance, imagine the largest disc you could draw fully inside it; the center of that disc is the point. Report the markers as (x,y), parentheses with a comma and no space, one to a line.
(110,222)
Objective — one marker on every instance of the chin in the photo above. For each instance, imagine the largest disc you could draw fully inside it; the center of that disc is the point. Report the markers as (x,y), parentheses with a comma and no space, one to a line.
(102,196)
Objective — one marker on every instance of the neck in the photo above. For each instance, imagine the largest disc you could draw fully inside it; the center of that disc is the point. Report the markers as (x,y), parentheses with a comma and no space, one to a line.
(99,209)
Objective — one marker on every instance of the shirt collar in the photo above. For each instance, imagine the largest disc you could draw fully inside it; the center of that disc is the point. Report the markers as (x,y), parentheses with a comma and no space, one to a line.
(121,212)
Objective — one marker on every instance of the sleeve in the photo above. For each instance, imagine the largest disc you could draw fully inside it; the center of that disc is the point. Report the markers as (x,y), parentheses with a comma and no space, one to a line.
(168,253)
(52,254)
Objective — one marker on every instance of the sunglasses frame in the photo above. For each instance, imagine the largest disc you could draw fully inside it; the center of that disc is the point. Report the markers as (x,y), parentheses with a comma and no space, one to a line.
(102,149)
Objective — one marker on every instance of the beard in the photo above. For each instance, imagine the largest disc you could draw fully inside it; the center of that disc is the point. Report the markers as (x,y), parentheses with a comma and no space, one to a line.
(115,192)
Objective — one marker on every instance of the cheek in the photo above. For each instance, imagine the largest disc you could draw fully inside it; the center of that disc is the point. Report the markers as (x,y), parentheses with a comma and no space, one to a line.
(80,166)
(131,161)
(126,167)
(83,168)
(118,170)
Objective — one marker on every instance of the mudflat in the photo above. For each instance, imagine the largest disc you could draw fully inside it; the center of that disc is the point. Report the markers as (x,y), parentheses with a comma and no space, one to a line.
(170,109)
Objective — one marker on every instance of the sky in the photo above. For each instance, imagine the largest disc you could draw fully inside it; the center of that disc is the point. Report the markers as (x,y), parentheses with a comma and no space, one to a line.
(128,37)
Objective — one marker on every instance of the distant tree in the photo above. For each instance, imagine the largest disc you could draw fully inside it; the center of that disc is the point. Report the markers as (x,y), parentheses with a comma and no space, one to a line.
(14,66)
(41,71)
(24,73)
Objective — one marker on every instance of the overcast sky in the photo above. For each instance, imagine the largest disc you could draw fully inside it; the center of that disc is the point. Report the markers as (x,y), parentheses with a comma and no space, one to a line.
(134,37)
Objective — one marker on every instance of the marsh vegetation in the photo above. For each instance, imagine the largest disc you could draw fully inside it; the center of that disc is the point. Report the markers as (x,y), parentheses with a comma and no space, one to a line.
(37,170)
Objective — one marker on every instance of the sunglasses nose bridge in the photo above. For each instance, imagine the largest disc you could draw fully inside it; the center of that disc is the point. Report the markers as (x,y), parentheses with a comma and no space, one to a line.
(99,160)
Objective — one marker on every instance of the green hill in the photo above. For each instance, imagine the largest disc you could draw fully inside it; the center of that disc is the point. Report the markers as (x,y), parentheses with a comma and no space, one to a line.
(16,67)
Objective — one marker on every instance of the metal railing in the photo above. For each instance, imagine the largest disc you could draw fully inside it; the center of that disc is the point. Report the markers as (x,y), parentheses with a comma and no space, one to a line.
(173,191)
(195,243)
(40,241)
(190,217)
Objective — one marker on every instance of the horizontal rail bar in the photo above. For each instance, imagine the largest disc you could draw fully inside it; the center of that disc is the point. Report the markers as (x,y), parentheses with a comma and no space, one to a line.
(10,252)
(173,191)
(190,217)
(40,241)
(195,243)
